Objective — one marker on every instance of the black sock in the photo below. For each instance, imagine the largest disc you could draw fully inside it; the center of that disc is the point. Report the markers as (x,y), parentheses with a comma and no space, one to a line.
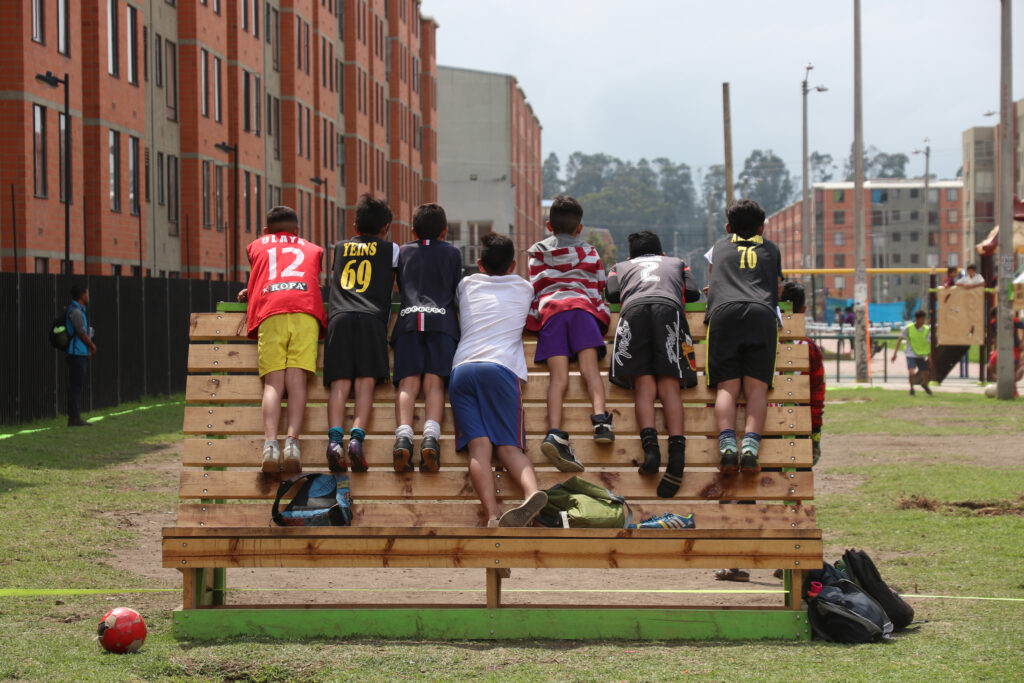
(652,452)
(673,479)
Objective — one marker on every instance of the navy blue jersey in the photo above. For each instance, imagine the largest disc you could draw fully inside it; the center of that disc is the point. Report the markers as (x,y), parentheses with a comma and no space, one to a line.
(428,273)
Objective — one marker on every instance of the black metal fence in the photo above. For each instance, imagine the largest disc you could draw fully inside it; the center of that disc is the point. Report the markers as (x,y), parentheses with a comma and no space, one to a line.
(141,333)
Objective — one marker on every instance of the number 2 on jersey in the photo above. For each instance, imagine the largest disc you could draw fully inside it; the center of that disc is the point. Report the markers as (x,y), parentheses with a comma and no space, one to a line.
(748,257)
(292,269)
(351,275)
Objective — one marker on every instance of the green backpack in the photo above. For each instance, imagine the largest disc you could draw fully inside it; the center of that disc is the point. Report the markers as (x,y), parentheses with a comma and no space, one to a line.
(586,505)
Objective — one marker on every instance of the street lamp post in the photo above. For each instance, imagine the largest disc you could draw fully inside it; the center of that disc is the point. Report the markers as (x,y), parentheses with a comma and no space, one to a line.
(805,206)
(232,149)
(49,79)
(321,183)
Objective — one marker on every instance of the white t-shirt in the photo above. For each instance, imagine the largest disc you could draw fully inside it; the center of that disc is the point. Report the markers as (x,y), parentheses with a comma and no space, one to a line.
(492,314)
(975,279)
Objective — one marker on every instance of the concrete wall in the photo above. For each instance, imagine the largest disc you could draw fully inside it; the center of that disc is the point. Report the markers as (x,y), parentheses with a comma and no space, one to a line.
(474,125)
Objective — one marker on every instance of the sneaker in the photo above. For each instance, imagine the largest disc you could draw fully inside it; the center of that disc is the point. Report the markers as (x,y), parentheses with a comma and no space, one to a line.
(291,460)
(604,430)
(355,455)
(335,457)
(728,462)
(669,520)
(749,463)
(271,457)
(556,448)
(78,422)
(927,390)
(911,391)
(524,514)
(732,575)
(430,455)
(402,454)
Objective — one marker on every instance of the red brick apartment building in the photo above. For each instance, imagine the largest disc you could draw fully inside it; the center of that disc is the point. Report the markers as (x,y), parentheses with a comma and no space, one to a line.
(315,101)
(897,233)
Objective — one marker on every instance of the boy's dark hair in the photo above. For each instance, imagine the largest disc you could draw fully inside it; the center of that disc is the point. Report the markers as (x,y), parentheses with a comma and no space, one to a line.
(793,292)
(429,221)
(950,270)
(77,291)
(745,218)
(497,254)
(643,243)
(565,215)
(282,219)
(372,214)
(971,266)
(919,314)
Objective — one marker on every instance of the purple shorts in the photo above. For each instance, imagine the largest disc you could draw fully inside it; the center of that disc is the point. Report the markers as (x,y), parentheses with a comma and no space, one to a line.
(568,333)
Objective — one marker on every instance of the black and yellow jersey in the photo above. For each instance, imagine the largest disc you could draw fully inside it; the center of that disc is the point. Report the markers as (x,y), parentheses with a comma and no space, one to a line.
(363,277)
(744,270)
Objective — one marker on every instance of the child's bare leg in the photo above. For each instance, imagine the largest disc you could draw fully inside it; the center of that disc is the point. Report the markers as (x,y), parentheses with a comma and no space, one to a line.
(295,382)
(482,476)
(558,382)
(671,403)
(645,388)
(408,390)
(756,392)
(273,389)
(592,376)
(364,387)
(336,401)
(519,468)
(433,394)
(725,404)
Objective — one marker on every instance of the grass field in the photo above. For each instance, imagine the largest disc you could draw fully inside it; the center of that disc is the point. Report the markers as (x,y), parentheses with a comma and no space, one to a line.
(930,486)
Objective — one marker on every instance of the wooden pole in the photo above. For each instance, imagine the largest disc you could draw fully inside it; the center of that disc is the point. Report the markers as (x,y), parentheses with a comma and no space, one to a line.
(860,278)
(727,121)
(1004,321)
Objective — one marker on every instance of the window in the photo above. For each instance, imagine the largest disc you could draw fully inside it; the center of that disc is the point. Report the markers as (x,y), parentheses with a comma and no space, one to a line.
(172,189)
(952,194)
(894,216)
(838,196)
(38,21)
(915,236)
(259,199)
(839,261)
(933,196)
(954,259)
(216,89)
(115,170)
(62,156)
(160,178)
(839,239)
(933,238)
(133,175)
(245,15)
(132,51)
(915,258)
(952,238)
(63,44)
(839,217)
(42,264)
(256,18)
(298,128)
(246,100)
(897,258)
(298,43)
(204,83)
(276,49)
(914,216)
(172,80)
(145,53)
(245,200)
(206,195)
(877,218)
(219,199)
(309,133)
(952,216)
(256,103)
(839,282)
(933,218)
(306,56)
(896,237)
(158,61)
(39,150)
(216,6)
(112,50)
(277,128)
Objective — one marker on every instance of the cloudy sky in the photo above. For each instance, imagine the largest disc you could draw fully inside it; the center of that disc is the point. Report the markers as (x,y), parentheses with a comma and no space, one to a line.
(643,78)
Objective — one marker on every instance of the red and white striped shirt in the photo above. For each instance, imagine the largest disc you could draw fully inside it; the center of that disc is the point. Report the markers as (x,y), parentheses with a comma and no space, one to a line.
(566,274)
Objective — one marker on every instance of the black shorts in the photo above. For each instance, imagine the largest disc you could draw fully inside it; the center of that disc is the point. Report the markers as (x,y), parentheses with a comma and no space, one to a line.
(356,346)
(647,342)
(743,341)
(418,353)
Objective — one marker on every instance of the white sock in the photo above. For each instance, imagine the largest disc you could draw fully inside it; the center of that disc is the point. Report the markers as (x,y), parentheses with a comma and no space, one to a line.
(404,430)
(431,428)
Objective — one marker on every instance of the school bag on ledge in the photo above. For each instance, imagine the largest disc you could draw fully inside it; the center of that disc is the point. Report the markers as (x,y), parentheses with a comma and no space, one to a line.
(585,505)
(323,500)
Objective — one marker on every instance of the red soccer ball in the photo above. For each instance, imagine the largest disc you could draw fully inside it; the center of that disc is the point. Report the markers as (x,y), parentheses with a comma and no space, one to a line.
(121,630)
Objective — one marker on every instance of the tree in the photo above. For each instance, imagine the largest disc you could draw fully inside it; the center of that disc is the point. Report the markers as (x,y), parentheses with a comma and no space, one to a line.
(587,173)
(878,164)
(822,167)
(552,183)
(606,251)
(768,180)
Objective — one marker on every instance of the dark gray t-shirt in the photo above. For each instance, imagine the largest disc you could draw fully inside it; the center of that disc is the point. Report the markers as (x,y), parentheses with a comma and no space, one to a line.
(744,270)
(649,279)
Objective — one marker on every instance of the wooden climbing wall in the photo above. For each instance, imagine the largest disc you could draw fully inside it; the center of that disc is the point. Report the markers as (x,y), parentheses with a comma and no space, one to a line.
(961,316)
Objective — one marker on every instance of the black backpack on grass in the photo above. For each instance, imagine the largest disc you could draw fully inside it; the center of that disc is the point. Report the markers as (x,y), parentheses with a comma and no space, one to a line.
(865,573)
(842,612)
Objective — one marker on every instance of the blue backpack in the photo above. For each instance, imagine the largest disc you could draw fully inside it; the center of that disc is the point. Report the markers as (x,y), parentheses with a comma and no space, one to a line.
(323,500)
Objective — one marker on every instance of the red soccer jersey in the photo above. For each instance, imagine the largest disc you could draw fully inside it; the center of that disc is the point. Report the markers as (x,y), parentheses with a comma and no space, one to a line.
(285,278)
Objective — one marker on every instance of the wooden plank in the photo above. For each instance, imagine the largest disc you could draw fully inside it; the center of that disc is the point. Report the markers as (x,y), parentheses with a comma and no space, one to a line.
(478,623)
(961,316)
(205,389)
(485,553)
(237,357)
(786,518)
(700,452)
(232,326)
(699,420)
(493,588)
(455,485)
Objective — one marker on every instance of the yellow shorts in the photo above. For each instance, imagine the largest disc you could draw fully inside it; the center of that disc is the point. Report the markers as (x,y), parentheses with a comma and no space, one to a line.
(288,340)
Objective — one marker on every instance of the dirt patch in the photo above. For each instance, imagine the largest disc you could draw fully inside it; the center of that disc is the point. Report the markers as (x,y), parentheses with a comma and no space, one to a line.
(992,450)
(980,508)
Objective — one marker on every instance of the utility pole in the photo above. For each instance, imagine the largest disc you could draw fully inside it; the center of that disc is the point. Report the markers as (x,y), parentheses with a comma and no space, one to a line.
(860,278)
(727,120)
(711,223)
(806,245)
(1004,330)
(927,152)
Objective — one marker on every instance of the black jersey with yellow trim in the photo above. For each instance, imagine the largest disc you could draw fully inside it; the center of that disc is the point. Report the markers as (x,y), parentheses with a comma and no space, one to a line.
(744,270)
(363,277)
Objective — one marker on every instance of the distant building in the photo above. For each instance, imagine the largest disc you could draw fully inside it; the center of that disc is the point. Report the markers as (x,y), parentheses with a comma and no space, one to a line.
(899,235)
(489,151)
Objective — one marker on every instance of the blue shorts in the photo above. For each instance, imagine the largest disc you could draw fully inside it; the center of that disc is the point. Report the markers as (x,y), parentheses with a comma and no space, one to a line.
(418,353)
(567,333)
(487,401)
(918,363)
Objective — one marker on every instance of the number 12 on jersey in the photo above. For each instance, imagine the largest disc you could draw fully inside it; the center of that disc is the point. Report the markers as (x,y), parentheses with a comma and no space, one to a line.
(748,257)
